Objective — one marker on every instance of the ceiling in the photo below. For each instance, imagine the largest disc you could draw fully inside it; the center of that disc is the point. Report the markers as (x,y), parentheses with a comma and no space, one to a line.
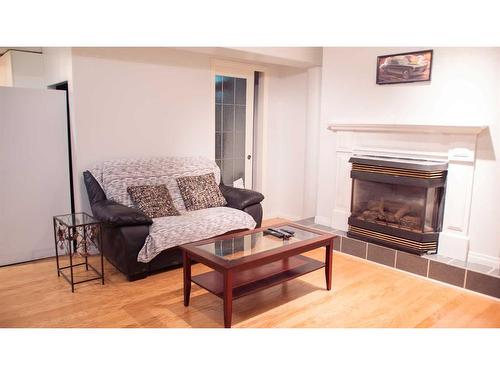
(300,57)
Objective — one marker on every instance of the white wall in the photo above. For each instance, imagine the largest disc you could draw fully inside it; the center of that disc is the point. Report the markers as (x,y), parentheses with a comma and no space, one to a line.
(312,142)
(286,143)
(58,65)
(134,102)
(129,102)
(464,91)
(21,69)
(34,171)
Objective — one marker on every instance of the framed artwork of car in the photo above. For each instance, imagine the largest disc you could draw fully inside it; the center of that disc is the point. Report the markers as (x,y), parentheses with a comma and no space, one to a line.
(404,67)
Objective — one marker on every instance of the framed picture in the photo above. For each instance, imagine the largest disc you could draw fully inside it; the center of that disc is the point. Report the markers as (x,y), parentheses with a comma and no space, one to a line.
(404,67)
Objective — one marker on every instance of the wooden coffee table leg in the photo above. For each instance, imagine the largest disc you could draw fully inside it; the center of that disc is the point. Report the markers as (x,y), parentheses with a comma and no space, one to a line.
(187,277)
(228,298)
(328,265)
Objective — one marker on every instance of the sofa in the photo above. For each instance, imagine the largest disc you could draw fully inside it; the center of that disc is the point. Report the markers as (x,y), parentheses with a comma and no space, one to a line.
(138,245)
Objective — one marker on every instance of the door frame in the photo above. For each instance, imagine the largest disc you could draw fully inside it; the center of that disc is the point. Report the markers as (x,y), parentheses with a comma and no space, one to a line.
(238,70)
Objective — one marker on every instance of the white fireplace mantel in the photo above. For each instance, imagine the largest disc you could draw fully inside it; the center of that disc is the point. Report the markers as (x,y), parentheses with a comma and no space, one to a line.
(409,128)
(455,144)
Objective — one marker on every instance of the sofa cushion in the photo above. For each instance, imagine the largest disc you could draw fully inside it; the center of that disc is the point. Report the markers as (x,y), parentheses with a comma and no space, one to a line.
(154,200)
(199,192)
(170,231)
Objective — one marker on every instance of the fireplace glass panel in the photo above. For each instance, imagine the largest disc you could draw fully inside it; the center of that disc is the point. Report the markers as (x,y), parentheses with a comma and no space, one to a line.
(409,208)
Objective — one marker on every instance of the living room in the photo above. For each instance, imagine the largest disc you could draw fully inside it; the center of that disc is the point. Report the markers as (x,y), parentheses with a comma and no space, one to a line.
(332,183)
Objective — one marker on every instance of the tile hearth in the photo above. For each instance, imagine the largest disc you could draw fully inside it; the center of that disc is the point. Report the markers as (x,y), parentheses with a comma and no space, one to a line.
(471,276)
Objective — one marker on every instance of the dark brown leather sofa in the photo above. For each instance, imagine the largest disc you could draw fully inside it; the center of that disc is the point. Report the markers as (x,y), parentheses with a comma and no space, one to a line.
(125,229)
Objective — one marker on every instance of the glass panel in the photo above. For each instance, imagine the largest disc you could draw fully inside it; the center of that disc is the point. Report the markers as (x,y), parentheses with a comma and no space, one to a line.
(432,216)
(218,145)
(227,145)
(218,118)
(239,145)
(77,219)
(396,206)
(241,91)
(227,172)
(228,90)
(255,243)
(239,169)
(228,118)
(230,127)
(240,118)
(218,89)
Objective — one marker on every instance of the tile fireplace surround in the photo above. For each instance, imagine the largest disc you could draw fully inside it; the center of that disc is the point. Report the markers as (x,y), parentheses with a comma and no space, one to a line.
(456,145)
(474,277)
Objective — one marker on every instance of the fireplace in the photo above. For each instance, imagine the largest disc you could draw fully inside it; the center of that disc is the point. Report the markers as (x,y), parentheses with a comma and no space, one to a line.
(397,202)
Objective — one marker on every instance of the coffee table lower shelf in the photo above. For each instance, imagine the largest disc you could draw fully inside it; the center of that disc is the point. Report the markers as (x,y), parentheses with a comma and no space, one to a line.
(255,279)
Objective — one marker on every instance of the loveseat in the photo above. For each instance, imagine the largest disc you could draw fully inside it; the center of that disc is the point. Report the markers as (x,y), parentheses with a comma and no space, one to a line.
(138,245)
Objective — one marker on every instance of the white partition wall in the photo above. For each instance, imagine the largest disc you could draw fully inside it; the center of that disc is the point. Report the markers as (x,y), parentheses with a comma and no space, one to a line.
(34,176)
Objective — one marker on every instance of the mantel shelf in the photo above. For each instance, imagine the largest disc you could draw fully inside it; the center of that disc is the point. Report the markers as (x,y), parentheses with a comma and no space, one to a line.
(408,128)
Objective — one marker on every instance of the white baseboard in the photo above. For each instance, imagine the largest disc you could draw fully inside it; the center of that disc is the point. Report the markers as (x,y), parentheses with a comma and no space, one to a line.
(290,217)
(453,245)
(323,220)
(281,215)
(486,260)
(339,219)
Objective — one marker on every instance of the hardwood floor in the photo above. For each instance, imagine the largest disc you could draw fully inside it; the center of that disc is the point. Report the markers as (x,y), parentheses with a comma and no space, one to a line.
(363,294)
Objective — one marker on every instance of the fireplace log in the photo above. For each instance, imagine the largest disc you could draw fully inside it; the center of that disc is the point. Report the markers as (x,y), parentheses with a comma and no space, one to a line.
(369,215)
(412,222)
(376,205)
(404,210)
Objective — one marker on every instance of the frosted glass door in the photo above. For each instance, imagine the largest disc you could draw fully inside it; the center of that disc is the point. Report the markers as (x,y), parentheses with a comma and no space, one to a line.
(233,129)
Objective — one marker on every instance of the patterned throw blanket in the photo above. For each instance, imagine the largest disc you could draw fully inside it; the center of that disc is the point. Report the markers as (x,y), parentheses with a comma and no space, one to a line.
(169,231)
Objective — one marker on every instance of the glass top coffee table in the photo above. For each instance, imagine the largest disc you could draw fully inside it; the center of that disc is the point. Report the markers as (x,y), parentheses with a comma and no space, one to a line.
(249,261)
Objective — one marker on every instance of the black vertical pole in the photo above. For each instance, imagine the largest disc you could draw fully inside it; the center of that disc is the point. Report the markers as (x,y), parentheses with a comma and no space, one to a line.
(64,86)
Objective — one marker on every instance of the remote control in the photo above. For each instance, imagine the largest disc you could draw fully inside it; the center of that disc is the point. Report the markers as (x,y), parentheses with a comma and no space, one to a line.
(277,233)
(285,234)
(289,231)
(274,233)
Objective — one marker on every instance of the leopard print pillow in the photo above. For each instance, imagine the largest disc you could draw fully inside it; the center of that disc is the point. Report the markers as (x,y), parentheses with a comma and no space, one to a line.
(199,192)
(153,200)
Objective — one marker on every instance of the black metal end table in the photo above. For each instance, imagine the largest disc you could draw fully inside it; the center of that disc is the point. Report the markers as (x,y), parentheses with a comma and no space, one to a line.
(78,233)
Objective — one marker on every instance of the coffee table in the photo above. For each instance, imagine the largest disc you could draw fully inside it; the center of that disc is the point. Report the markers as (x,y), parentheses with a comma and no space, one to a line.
(249,261)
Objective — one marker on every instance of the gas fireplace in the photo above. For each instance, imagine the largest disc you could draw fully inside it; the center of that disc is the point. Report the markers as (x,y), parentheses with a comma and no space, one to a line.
(397,202)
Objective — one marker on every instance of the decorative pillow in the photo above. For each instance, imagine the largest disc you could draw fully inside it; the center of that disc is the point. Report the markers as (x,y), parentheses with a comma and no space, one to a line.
(153,200)
(200,192)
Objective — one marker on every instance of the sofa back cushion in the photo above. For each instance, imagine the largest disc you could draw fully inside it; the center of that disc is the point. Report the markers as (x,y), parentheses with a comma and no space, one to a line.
(199,192)
(115,176)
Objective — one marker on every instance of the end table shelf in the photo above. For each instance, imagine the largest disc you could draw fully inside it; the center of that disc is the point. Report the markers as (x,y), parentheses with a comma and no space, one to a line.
(255,279)
(78,233)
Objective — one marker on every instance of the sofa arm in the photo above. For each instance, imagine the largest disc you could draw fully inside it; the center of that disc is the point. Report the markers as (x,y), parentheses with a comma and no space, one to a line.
(94,190)
(116,214)
(240,198)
